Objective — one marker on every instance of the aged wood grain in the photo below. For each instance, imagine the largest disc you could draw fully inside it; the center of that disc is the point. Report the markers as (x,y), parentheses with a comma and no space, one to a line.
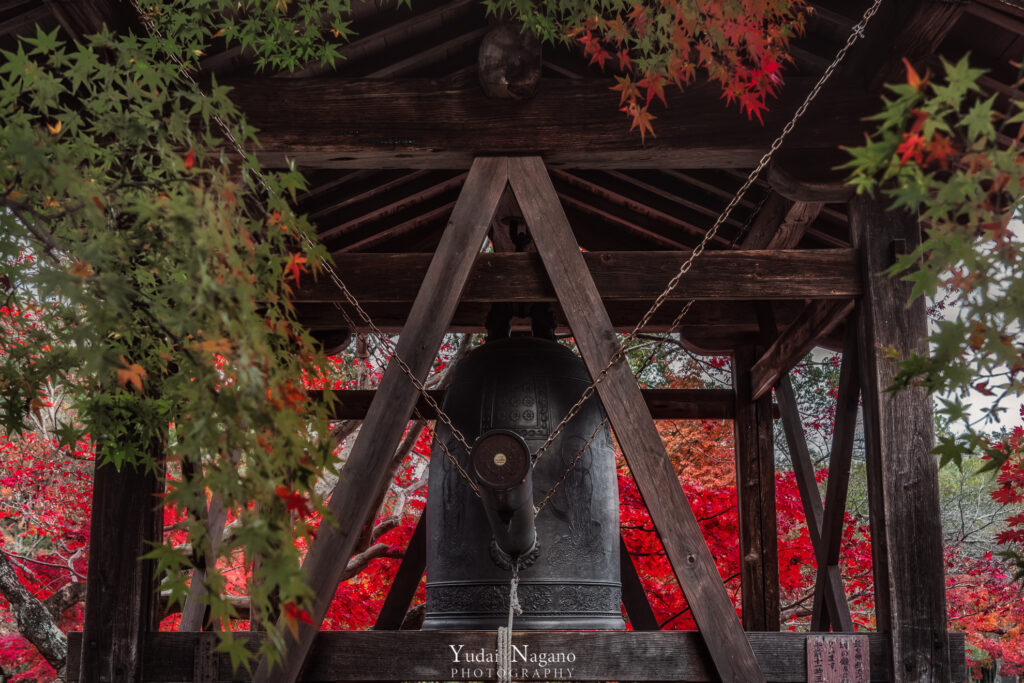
(906,530)
(834,515)
(634,598)
(677,526)
(830,579)
(332,122)
(352,501)
(121,589)
(600,655)
(664,404)
(630,275)
(755,492)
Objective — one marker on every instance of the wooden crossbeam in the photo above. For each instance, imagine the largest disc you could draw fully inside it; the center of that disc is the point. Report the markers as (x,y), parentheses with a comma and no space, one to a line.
(332,122)
(833,594)
(426,655)
(353,500)
(406,581)
(903,488)
(705,319)
(619,276)
(641,444)
(664,404)
(755,493)
(817,320)
(833,517)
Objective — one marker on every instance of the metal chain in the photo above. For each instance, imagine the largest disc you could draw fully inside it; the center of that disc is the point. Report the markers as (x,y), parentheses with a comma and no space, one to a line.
(855,33)
(430,431)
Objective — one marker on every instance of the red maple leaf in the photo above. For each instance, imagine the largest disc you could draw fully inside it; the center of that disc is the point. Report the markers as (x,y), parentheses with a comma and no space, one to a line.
(294,267)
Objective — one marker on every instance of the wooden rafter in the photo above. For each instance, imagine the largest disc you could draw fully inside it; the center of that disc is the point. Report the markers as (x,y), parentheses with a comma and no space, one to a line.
(655,477)
(365,471)
(390,209)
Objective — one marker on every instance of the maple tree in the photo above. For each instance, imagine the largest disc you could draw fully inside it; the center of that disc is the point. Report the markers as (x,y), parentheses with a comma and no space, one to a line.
(741,46)
(943,150)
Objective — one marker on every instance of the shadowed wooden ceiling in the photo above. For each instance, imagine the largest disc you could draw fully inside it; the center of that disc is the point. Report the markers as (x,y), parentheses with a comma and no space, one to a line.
(385,140)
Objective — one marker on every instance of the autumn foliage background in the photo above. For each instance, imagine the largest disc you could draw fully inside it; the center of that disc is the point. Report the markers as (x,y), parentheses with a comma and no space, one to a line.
(44,520)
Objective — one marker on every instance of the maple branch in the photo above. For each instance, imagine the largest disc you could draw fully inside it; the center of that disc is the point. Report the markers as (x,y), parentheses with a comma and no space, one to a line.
(359,562)
(35,621)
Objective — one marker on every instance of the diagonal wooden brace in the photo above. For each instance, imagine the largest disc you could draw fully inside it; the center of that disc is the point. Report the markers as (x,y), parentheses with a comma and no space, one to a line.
(367,465)
(649,463)
(829,579)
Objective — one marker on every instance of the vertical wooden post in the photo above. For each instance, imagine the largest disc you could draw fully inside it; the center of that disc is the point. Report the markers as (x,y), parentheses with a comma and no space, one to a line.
(755,493)
(906,531)
(121,599)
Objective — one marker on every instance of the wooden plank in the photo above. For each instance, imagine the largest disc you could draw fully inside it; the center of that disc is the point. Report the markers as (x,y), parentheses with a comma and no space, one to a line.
(600,655)
(664,404)
(755,492)
(333,122)
(829,578)
(903,495)
(120,603)
(705,319)
(817,320)
(407,580)
(634,597)
(834,514)
(631,275)
(641,444)
(367,464)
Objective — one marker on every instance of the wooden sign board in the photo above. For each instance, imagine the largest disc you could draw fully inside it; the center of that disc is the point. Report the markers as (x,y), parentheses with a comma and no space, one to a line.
(838,659)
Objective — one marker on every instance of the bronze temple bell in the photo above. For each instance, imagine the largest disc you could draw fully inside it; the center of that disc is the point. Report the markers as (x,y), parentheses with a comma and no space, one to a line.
(506,397)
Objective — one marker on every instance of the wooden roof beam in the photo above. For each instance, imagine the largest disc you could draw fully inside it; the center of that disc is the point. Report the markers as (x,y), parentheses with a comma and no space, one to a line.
(627,275)
(664,404)
(331,122)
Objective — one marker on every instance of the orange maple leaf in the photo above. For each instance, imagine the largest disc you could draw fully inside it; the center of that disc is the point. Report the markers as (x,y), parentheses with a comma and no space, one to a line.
(642,119)
(132,373)
(190,158)
(294,267)
(915,80)
(655,85)
(627,88)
